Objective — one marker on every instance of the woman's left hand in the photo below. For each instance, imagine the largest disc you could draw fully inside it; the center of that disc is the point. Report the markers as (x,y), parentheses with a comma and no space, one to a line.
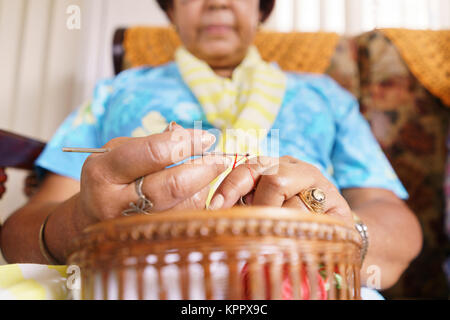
(278,183)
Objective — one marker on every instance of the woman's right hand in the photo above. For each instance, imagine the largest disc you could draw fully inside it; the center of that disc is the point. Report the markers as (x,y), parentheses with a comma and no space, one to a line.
(108,180)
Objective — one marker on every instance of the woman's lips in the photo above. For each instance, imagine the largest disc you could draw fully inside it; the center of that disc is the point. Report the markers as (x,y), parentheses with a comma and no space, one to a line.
(218,29)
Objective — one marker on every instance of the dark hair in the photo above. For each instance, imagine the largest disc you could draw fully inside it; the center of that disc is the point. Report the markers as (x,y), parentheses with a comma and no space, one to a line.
(265,6)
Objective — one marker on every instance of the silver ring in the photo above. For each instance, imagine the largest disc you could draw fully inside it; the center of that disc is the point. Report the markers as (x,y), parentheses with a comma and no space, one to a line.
(242,202)
(142,205)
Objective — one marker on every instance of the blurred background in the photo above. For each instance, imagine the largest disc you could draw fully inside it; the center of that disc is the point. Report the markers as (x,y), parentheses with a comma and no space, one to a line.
(52,52)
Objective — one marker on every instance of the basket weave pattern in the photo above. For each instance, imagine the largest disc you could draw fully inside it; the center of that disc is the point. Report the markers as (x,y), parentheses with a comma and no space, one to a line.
(199,255)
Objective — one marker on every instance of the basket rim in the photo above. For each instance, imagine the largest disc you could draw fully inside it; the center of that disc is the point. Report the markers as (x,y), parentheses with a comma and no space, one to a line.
(248,221)
(256,213)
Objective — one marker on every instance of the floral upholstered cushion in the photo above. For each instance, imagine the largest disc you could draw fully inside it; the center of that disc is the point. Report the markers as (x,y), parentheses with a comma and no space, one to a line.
(344,65)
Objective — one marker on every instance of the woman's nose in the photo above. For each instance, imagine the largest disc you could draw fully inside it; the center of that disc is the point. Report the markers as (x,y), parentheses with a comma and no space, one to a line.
(218,4)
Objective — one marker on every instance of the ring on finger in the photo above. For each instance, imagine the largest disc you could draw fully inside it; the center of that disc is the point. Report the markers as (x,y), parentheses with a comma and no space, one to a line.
(143,205)
(314,199)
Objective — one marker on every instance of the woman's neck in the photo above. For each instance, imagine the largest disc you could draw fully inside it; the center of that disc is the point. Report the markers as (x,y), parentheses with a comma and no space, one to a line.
(225,68)
(223,65)
(225,72)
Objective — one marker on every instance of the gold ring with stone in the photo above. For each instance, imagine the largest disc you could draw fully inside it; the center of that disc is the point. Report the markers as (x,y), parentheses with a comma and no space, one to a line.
(314,200)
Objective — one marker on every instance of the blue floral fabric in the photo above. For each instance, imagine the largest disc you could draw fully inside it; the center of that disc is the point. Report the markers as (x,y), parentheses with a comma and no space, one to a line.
(319,122)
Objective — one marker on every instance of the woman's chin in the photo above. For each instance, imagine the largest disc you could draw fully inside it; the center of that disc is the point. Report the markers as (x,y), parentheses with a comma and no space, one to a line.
(219,50)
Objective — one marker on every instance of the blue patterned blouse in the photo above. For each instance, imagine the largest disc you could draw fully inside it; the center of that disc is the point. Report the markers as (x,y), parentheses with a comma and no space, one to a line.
(319,122)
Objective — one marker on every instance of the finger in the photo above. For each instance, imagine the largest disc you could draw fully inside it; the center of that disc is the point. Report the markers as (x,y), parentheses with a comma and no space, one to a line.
(292,177)
(197,201)
(336,206)
(170,187)
(139,157)
(305,176)
(295,203)
(114,143)
(241,181)
(172,127)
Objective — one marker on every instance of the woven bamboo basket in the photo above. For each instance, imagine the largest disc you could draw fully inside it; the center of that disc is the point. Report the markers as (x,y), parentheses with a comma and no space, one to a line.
(242,253)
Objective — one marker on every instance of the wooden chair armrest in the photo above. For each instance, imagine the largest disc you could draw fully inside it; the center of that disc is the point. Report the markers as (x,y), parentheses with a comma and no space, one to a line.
(19,152)
(3,179)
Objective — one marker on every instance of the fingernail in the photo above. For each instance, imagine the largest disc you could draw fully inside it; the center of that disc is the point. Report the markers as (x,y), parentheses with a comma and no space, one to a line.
(217,202)
(169,128)
(208,140)
(173,126)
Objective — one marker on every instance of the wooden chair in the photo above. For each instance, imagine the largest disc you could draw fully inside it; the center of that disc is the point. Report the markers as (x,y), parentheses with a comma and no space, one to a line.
(18,152)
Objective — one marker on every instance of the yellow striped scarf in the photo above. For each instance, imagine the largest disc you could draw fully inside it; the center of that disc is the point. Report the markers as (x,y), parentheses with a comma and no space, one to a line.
(248,103)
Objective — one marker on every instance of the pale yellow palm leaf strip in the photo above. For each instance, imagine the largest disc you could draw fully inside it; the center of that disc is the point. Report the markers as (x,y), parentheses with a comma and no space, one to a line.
(35,282)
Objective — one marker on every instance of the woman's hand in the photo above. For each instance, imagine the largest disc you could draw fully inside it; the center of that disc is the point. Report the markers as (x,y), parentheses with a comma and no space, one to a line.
(108,180)
(278,183)
(108,187)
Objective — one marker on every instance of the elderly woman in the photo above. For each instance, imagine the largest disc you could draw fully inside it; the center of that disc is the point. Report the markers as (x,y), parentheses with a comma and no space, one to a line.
(327,150)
